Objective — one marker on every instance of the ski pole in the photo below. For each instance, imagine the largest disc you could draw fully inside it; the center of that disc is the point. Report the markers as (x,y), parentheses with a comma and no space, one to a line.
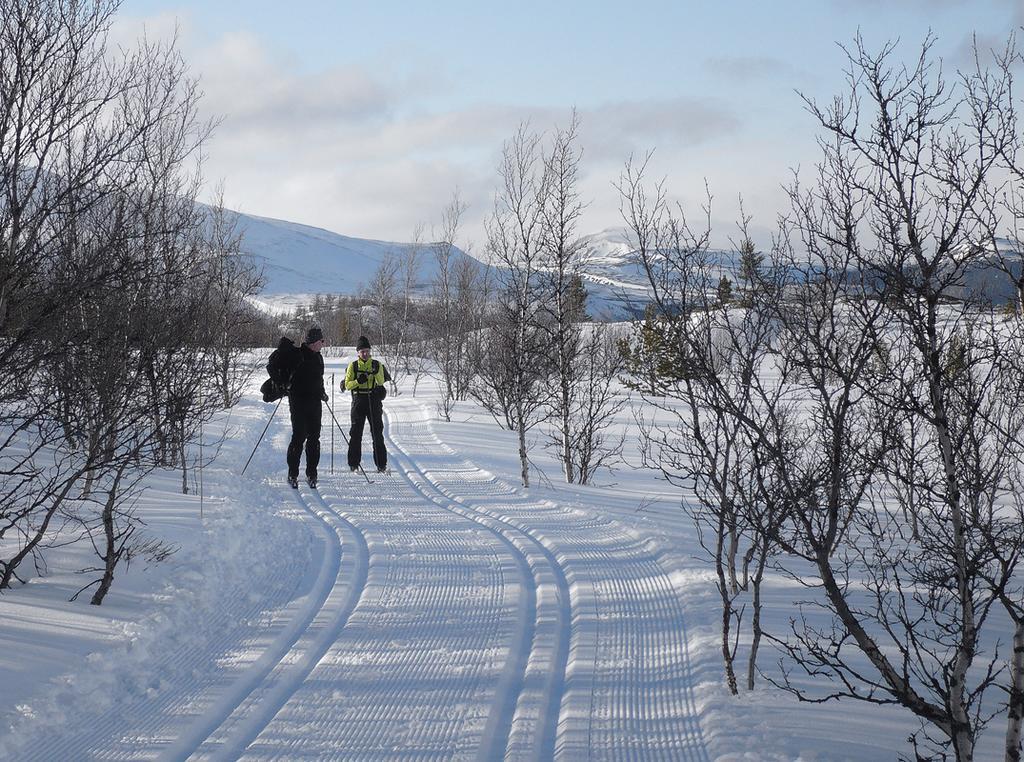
(261,436)
(329,408)
(200,468)
(332,430)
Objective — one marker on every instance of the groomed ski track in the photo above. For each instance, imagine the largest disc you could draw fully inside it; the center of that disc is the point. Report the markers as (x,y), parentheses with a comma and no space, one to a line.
(446,614)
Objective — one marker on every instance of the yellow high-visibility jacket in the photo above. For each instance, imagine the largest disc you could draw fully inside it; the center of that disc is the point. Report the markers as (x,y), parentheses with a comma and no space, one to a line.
(376,375)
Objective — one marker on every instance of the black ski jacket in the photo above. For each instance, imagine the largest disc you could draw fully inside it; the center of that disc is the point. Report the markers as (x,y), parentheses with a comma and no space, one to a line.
(308,379)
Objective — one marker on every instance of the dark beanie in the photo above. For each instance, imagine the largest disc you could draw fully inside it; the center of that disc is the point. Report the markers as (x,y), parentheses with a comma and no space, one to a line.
(314,334)
(363,343)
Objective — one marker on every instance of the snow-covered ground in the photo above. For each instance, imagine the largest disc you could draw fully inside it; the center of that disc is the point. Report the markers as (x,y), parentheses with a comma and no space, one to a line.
(439,612)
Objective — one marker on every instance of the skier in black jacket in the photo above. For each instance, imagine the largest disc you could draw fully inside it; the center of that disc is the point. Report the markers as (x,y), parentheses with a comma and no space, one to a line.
(305,395)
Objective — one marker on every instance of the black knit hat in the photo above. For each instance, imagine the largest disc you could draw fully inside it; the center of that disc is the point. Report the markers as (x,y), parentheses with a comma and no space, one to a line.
(314,334)
(363,343)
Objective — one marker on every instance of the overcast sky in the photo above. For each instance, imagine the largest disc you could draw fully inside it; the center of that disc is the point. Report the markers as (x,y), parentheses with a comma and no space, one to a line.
(363,118)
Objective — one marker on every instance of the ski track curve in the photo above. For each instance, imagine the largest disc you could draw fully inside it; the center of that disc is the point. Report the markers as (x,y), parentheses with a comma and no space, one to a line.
(257,699)
(419,661)
(448,614)
(627,691)
(195,684)
(528,713)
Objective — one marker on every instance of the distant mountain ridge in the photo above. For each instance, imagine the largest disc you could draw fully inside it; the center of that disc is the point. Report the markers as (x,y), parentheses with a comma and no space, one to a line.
(301,260)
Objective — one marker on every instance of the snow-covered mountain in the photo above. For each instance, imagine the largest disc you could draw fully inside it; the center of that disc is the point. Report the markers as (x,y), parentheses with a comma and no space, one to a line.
(616,284)
(990,278)
(616,280)
(301,260)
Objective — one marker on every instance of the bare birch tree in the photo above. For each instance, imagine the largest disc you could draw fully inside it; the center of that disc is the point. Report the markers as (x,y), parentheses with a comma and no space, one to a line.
(231,278)
(382,292)
(514,239)
(919,387)
(407,332)
(699,361)
(558,261)
(594,402)
(95,207)
(447,327)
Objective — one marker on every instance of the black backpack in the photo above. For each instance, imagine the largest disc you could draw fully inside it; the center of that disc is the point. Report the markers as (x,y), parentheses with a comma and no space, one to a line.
(281,366)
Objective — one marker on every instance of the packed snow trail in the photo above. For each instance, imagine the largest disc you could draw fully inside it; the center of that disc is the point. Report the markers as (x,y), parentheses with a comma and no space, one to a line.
(259,696)
(442,614)
(627,686)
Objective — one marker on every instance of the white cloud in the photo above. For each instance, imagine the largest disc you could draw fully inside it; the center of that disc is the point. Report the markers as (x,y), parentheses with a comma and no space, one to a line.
(127,30)
(381,180)
(242,80)
(366,152)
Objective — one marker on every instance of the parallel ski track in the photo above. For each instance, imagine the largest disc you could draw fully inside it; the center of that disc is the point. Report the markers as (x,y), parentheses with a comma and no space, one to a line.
(140,727)
(627,687)
(525,721)
(420,661)
(185,680)
(229,715)
(258,698)
(452,617)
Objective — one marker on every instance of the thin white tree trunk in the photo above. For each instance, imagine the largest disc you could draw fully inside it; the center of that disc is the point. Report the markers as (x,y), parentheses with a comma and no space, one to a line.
(523,462)
(1015,704)
(567,454)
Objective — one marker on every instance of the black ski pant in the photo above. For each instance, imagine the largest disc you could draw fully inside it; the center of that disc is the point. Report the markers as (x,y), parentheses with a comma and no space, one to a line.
(366,406)
(305,430)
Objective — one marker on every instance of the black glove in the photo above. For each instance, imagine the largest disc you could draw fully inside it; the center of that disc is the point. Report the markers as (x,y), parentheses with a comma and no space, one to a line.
(361,377)
(323,396)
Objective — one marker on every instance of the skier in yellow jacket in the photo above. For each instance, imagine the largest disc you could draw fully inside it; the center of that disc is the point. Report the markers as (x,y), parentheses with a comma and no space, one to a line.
(366,378)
